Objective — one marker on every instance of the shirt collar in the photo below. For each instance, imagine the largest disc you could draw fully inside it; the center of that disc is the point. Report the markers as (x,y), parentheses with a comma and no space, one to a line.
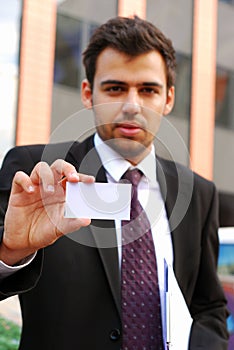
(116,165)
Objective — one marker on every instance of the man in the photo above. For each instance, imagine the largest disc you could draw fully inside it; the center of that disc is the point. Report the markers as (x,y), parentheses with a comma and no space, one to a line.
(70,289)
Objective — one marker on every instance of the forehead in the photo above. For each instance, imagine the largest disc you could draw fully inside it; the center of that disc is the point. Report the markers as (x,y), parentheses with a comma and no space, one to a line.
(144,67)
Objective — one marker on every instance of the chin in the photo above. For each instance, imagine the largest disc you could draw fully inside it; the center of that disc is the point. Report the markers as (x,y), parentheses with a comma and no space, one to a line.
(128,148)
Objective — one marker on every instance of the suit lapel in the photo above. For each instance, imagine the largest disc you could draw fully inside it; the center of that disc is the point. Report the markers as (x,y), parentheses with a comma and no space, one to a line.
(85,157)
(104,234)
(176,190)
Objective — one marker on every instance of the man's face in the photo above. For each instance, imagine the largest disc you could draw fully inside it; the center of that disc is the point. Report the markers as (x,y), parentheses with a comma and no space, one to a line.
(129,97)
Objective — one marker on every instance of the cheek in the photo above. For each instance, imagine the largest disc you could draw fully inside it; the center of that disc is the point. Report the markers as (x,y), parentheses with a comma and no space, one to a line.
(153,122)
(103,124)
(105,113)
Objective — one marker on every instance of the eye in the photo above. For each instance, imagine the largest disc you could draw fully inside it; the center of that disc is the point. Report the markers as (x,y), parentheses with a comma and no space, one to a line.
(149,90)
(115,89)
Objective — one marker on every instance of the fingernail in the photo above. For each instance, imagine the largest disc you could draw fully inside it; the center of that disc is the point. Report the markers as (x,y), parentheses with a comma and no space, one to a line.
(75,176)
(30,189)
(50,188)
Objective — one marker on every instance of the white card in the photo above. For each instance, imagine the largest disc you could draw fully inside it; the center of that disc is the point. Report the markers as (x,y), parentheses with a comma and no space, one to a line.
(107,201)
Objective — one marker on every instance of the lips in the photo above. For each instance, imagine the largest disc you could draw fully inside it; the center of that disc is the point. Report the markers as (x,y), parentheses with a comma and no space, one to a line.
(129,129)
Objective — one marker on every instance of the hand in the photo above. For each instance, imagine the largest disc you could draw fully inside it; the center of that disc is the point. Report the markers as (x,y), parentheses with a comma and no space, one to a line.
(35,214)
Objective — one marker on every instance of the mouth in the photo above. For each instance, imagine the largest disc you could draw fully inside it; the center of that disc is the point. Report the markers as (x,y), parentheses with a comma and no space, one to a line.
(128,129)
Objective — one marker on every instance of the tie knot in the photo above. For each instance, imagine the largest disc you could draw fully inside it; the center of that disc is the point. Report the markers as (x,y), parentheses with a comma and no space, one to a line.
(133,176)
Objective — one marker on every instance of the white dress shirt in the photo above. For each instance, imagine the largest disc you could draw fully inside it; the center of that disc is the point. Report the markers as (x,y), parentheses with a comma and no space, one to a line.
(150,197)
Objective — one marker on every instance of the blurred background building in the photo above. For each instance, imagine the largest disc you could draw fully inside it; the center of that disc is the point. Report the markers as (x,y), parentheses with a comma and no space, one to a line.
(41,71)
(41,44)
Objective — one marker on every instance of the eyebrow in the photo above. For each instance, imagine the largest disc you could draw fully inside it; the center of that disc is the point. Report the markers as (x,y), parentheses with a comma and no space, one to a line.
(119,82)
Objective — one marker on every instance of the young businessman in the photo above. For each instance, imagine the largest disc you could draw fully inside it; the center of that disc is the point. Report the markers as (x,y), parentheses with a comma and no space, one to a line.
(72,291)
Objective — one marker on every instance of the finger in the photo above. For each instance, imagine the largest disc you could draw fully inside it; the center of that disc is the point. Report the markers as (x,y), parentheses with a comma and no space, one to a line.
(86,178)
(64,170)
(43,174)
(22,181)
(70,225)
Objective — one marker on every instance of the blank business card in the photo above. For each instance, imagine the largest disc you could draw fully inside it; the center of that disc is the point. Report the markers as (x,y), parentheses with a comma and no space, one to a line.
(107,201)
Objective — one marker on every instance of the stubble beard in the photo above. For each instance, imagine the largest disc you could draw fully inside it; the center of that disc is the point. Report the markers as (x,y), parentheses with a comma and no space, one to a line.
(129,149)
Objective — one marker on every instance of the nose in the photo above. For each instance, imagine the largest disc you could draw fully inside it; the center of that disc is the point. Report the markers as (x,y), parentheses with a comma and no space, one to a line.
(131,103)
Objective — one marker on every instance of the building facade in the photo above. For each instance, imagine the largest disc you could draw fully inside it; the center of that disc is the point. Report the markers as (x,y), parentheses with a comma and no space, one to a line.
(41,71)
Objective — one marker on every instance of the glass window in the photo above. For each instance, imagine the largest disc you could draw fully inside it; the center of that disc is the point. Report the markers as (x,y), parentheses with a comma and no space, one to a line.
(230,2)
(183,86)
(68,51)
(81,18)
(224,127)
(71,37)
(92,27)
(170,19)
(178,26)
(225,67)
(224,98)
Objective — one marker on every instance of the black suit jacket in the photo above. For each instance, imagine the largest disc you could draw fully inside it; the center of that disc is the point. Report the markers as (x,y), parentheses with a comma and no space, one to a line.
(70,293)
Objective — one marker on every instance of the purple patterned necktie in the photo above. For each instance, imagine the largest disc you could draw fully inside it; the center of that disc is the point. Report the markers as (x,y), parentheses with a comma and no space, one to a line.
(141,311)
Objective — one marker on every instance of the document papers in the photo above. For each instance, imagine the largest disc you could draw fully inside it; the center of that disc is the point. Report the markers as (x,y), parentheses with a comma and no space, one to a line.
(108,201)
(178,319)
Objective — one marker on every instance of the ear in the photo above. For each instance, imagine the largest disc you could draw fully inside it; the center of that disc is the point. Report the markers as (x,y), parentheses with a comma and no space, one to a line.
(170,101)
(86,94)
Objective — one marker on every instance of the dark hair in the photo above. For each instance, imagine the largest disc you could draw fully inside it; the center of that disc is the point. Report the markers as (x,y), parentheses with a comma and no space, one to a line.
(132,36)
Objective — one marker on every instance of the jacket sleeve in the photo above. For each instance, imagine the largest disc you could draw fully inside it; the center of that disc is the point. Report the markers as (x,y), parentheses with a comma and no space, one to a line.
(208,304)
(19,158)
